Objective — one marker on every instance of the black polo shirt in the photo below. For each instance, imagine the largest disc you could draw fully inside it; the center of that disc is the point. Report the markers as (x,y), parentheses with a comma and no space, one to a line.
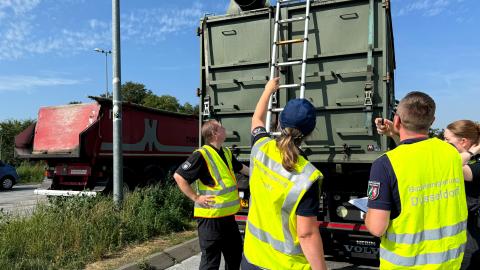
(472,188)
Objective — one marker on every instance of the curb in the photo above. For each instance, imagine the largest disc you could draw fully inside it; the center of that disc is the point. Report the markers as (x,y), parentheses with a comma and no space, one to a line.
(167,258)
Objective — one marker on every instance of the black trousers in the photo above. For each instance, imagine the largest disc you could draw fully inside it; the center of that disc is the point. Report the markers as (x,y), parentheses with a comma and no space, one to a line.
(217,237)
(471,257)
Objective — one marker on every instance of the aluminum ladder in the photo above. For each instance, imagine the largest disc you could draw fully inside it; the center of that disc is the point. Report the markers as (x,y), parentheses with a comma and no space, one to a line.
(274,59)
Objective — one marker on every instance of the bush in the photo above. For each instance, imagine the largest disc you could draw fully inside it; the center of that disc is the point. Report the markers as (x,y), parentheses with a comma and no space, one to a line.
(31,172)
(71,232)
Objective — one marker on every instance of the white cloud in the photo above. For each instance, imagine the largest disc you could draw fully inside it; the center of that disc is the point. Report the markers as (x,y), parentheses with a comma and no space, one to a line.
(27,83)
(427,8)
(21,29)
(155,24)
(95,24)
(18,6)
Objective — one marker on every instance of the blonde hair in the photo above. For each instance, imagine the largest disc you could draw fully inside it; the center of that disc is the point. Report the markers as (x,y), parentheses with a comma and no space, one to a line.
(465,129)
(416,111)
(208,130)
(288,144)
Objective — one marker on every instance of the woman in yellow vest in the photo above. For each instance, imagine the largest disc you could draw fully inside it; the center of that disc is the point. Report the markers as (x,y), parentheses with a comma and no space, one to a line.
(282,230)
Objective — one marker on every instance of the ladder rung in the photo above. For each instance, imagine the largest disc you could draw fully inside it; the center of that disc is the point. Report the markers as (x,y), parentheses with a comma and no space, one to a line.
(291,20)
(289,85)
(287,1)
(277,110)
(284,42)
(291,63)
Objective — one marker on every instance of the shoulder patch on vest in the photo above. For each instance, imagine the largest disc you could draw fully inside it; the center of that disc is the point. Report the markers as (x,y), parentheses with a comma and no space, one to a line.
(186,165)
(373,190)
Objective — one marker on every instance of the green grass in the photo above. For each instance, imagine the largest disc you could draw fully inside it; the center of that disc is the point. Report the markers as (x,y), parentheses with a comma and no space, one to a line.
(31,172)
(71,232)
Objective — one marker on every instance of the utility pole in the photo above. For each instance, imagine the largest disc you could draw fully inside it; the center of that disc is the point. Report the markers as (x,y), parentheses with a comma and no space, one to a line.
(117,108)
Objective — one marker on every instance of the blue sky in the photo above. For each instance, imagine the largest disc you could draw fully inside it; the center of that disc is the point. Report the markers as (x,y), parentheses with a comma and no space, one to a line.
(47,57)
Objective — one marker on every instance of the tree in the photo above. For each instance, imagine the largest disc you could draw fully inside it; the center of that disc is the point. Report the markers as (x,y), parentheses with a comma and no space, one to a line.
(189,109)
(134,92)
(436,132)
(137,93)
(164,102)
(8,130)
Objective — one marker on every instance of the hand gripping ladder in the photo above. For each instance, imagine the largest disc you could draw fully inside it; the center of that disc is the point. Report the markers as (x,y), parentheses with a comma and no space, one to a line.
(276,64)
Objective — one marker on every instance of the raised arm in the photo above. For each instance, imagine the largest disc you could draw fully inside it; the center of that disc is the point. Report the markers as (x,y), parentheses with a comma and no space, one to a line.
(466,156)
(385,127)
(258,118)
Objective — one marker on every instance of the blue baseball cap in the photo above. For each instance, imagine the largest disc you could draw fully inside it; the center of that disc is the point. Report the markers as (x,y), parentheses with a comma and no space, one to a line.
(299,114)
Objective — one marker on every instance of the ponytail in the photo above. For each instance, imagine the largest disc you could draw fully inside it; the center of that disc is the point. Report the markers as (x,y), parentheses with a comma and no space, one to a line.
(288,144)
(478,132)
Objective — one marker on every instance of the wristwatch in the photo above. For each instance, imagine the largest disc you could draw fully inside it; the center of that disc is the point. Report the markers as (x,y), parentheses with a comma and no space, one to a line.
(470,152)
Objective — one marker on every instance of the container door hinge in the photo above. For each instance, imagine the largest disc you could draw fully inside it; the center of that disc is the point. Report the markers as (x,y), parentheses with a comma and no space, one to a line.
(206,106)
(368,94)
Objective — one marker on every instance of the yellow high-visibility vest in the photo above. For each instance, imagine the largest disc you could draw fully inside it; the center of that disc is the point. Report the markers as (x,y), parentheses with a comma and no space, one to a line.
(271,240)
(225,190)
(430,232)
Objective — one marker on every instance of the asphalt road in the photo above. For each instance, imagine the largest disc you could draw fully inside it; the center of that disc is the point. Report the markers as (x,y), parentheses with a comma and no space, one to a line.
(332,263)
(20,200)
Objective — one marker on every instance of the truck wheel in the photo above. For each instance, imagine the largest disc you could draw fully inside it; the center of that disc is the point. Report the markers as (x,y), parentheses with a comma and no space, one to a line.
(7,183)
(153,175)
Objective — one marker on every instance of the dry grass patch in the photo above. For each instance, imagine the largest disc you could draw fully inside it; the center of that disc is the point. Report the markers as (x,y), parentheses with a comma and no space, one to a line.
(135,253)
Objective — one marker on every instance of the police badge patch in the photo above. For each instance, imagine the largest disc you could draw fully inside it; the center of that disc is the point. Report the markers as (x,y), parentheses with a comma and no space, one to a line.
(186,165)
(258,130)
(373,190)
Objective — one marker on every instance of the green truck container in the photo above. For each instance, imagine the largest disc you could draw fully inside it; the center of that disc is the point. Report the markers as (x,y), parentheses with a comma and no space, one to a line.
(349,79)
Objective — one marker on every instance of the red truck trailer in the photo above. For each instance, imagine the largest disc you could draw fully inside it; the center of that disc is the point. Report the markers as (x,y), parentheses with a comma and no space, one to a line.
(75,141)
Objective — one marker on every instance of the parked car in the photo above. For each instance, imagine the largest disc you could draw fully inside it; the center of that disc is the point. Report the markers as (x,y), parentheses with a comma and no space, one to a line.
(8,176)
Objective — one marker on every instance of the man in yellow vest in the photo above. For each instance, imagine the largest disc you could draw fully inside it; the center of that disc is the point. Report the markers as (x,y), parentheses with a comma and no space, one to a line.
(217,200)
(417,196)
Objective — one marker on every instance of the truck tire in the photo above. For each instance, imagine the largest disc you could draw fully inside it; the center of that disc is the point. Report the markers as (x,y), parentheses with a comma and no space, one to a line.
(7,183)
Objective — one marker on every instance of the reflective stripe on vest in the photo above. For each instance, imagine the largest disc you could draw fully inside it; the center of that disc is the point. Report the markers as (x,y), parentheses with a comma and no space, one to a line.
(430,232)
(264,236)
(301,182)
(422,259)
(219,192)
(212,165)
(434,234)
(225,190)
(219,205)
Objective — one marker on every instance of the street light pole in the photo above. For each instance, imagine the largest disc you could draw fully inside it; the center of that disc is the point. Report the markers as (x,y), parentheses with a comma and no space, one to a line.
(106,67)
(117,107)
